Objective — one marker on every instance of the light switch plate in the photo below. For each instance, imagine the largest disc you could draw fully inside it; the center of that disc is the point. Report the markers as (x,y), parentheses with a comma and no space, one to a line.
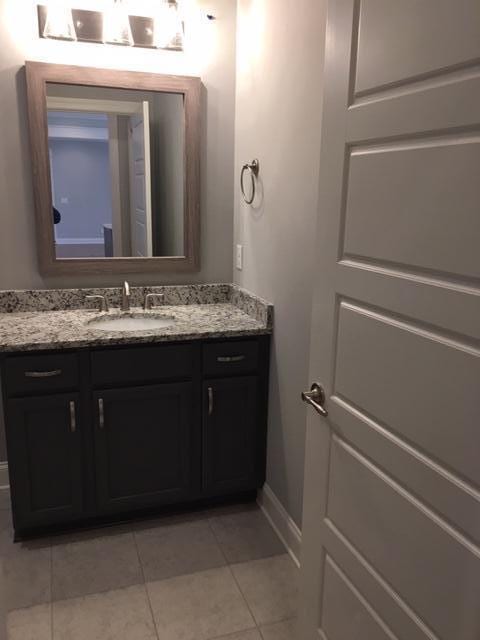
(239,257)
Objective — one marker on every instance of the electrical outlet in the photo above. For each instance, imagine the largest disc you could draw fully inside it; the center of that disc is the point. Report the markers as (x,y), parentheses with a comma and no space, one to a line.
(239,257)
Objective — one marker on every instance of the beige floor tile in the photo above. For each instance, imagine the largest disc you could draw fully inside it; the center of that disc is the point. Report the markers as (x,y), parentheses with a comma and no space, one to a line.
(116,615)
(246,536)
(253,634)
(167,519)
(286,630)
(27,574)
(199,606)
(34,623)
(270,587)
(172,550)
(6,531)
(4,500)
(230,509)
(94,562)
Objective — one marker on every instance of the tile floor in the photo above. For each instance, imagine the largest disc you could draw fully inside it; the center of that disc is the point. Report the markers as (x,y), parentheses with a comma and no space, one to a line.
(220,574)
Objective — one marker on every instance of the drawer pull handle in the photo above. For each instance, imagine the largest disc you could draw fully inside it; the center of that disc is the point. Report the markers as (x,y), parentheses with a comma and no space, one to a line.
(230,358)
(101,414)
(73,417)
(210,401)
(43,374)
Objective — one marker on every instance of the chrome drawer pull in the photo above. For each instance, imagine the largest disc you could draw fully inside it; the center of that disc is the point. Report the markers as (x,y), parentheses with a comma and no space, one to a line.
(230,358)
(101,414)
(210,401)
(43,374)
(73,417)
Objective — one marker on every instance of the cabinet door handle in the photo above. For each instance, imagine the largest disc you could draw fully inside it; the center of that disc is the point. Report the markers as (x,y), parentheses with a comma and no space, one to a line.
(210,401)
(73,417)
(230,358)
(101,414)
(43,374)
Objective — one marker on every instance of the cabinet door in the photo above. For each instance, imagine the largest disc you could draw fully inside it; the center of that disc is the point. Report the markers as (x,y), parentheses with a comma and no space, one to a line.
(231,434)
(144,446)
(45,459)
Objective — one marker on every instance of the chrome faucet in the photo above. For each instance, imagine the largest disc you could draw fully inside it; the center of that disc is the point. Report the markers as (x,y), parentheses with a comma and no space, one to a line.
(125,297)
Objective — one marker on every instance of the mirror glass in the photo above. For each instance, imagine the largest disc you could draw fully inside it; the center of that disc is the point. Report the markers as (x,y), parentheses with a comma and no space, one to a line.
(117,171)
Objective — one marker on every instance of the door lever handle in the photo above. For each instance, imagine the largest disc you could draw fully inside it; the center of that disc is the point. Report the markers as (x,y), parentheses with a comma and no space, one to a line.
(316,398)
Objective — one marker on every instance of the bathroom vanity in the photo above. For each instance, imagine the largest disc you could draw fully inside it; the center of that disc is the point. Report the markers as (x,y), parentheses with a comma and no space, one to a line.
(158,397)
(103,425)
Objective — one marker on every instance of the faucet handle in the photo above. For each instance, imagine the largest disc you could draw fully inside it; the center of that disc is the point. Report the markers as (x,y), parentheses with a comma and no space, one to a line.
(150,298)
(100,300)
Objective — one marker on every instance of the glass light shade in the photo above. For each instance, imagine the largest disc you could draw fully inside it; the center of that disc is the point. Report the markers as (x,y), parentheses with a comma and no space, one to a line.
(59,22)
(116,25)
(168,26)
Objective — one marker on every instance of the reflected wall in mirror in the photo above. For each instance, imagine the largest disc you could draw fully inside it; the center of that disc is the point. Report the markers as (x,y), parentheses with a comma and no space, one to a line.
(117,175)
(115,169)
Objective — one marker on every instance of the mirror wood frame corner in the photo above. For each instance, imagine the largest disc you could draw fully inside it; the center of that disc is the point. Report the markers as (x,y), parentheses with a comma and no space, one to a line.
(38,74)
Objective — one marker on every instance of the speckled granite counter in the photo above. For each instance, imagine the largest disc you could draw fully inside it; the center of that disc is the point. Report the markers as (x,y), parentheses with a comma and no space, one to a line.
(57,319)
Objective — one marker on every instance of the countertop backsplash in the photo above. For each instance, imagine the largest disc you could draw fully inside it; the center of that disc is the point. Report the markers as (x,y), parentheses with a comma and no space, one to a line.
(15,301)
(60,318)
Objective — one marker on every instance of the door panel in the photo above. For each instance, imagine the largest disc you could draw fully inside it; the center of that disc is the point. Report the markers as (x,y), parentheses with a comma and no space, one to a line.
(144,445)
(346,614)
(398,536)
(455,500)
(413,38)
(46,432)
(398,373)
(392,484)
(411,216)
(396,614)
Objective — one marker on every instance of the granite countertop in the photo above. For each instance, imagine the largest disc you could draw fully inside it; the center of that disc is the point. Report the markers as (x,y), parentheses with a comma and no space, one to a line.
(205,313)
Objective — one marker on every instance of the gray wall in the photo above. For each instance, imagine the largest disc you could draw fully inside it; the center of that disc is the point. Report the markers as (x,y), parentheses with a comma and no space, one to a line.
(81,173)
(278,112)
(210,54)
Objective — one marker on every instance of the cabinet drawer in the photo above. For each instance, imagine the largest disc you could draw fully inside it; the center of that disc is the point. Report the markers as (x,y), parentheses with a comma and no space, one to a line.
(41,373)
(224,358)
(138,365)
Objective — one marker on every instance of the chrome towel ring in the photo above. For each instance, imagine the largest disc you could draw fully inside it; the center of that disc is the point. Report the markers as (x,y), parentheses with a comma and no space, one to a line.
(253,168)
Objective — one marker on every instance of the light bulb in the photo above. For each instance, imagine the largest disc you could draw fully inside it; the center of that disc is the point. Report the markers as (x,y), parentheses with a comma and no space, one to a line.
(59,22)
(168,26)
(116,25)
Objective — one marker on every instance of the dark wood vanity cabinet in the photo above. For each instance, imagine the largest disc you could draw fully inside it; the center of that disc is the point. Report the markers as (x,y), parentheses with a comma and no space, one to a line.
(105,433)
(45,458)
(145,449)
(231,418)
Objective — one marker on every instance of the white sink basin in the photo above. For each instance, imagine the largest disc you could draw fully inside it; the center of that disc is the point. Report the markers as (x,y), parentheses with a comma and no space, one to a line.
(131,322)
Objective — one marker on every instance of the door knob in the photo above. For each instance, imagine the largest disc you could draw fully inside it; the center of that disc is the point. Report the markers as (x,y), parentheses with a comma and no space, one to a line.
(316,398)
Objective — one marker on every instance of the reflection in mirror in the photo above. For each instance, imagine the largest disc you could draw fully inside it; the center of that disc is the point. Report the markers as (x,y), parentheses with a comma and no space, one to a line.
(117,171)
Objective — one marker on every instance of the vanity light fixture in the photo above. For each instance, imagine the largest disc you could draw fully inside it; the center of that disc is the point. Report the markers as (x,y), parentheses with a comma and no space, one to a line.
(164,28)
(116,25)
(59,22)
(168,26)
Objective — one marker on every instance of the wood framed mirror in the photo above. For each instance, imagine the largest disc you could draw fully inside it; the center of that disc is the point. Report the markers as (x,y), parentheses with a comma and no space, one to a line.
(116,164)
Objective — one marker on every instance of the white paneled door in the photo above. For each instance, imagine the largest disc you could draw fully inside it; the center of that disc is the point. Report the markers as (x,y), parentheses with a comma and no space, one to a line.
(391,531)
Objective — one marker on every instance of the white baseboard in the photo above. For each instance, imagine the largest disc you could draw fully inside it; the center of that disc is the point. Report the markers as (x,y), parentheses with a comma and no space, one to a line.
(286,529)
(4,481)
